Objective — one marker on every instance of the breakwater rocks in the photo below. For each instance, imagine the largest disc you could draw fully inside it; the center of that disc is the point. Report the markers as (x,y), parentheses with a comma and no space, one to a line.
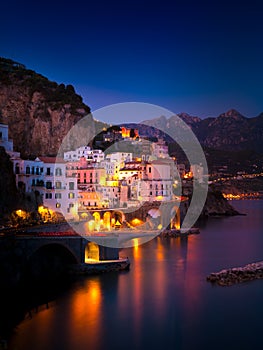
(179,233)
(235,275)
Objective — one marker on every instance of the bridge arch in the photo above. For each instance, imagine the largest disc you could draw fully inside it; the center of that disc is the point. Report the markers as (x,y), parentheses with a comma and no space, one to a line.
(49,261)
(60,249)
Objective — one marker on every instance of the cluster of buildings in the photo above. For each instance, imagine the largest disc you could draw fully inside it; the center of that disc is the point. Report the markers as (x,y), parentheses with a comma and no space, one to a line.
(89,179)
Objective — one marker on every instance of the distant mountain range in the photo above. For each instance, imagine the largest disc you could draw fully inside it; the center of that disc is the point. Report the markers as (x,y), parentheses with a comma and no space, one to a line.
(229,131)
(40,113)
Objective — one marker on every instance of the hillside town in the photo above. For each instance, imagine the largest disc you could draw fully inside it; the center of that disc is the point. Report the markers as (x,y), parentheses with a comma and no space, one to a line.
(89,179)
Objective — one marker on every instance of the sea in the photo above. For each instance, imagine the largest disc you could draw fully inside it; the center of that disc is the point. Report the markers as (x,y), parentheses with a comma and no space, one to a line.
(164,301)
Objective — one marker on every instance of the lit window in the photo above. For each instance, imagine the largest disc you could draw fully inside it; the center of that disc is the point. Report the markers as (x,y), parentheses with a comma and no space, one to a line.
(58,185)
(71,195)
(58,205)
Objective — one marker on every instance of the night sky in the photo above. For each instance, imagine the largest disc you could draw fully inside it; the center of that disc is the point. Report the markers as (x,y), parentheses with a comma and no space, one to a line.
(199,57)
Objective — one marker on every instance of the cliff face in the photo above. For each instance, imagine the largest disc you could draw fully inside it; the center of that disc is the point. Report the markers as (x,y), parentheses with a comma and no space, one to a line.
(39,112)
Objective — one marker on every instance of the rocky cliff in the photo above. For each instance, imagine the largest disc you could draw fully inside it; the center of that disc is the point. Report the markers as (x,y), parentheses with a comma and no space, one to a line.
(39,112)
(217,205)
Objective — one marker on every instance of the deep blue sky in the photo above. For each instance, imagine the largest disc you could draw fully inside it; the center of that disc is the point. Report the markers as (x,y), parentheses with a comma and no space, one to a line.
(200,57)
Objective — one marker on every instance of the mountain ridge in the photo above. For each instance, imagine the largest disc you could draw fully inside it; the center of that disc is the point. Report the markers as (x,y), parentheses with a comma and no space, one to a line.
(40,113)
(230,130)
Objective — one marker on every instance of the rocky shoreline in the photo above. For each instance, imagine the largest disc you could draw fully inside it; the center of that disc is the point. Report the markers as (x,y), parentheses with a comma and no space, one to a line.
(228,277)
(178,233)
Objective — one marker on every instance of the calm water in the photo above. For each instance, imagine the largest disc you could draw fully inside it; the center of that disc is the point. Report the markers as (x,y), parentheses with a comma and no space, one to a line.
(164,301)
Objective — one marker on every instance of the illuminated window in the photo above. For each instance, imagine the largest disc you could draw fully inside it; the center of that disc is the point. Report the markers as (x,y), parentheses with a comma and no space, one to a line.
(58,205)
(71,195)
(58,185)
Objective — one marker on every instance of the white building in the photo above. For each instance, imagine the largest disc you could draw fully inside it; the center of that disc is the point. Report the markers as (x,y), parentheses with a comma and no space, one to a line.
(160,149)
(77,154)
(119,157)
(95,155)
(29,174)
(4,140)
(60,190)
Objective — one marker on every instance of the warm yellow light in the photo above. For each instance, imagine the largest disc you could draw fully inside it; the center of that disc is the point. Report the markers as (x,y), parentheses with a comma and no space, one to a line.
(84,215)
(92,252)
(41,209)
(91,225)
(21,213)
(188,175)
(136,222)
(117,223)
(136,243)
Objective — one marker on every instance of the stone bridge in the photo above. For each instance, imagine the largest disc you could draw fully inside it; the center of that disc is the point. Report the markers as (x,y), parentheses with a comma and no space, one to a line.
(75,248)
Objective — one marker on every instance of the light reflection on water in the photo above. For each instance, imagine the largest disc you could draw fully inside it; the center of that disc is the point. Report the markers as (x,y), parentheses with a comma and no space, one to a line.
(164,300)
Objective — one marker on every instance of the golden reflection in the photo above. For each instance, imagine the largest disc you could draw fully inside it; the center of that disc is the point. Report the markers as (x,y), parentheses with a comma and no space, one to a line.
(86,311)
(159,250)
(136,252)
